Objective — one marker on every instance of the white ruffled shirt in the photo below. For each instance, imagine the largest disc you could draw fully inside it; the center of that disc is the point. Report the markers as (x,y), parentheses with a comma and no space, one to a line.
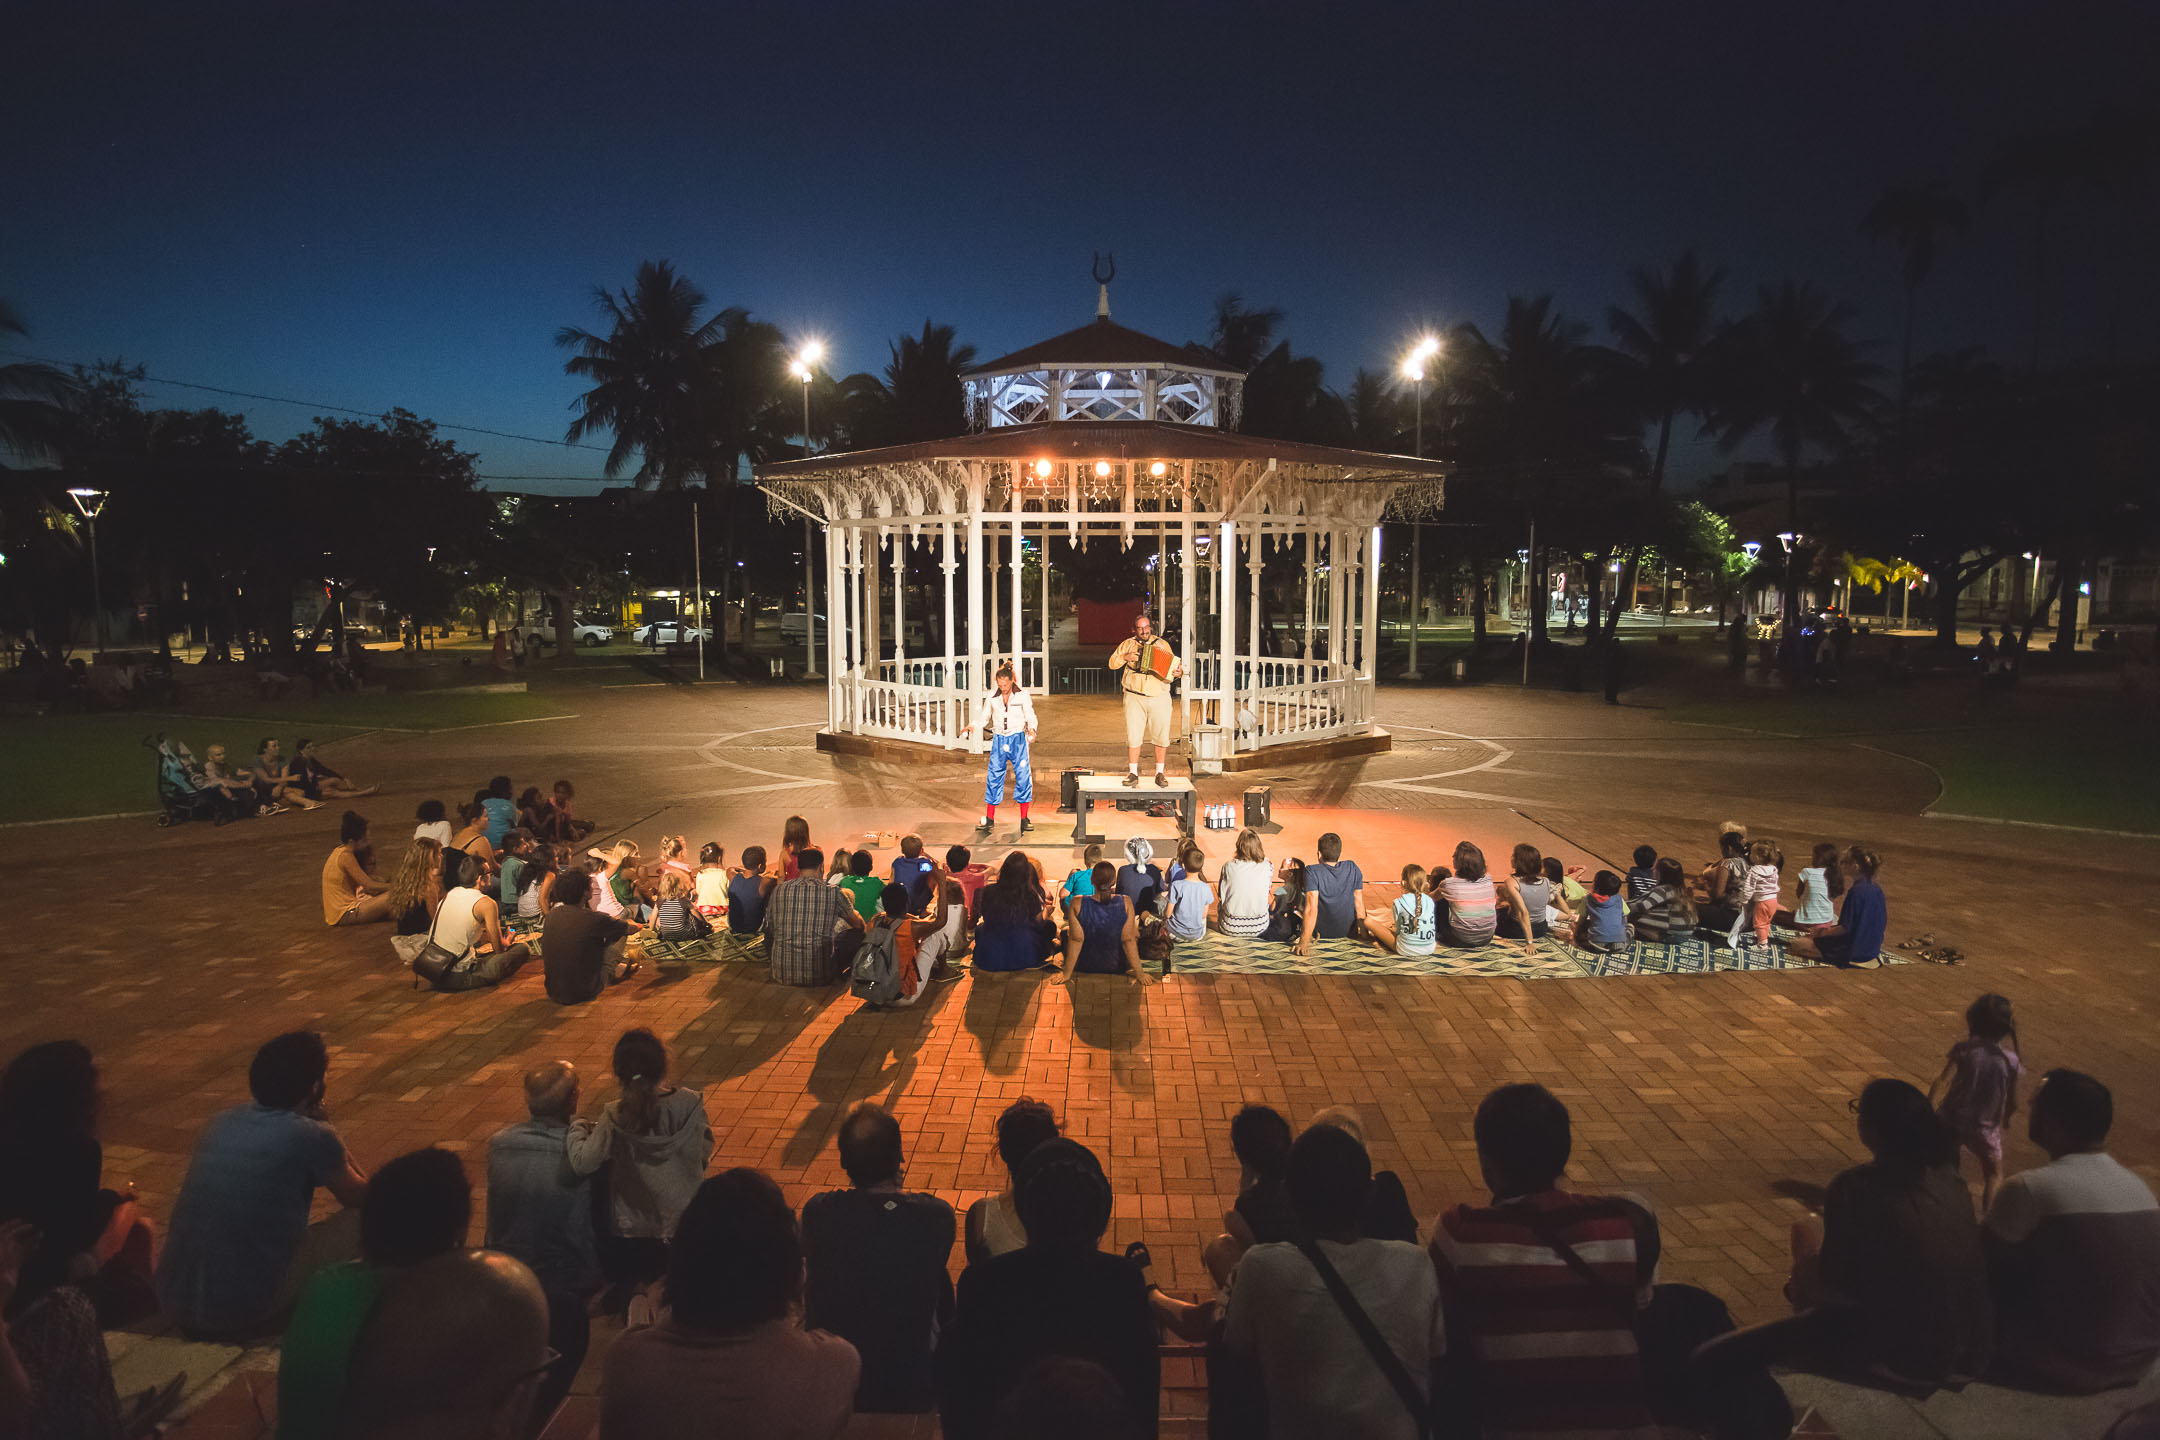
(1006,716)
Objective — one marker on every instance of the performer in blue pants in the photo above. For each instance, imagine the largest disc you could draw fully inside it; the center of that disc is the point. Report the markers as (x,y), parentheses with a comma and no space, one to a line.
(1008,714)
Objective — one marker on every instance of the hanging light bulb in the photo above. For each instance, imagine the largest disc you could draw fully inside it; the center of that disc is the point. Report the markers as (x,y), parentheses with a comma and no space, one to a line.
(1043,469)
(1102,469)
(1158,469)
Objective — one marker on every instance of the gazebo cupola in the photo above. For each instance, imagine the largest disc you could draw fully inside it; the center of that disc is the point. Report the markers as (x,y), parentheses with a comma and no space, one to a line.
(1103,371)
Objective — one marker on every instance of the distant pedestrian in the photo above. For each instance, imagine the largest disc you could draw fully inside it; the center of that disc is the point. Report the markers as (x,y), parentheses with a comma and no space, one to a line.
(1736,638)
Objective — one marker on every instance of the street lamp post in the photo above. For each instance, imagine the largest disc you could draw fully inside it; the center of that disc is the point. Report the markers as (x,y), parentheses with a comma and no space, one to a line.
(803,369)
(90,502)
(1413,370)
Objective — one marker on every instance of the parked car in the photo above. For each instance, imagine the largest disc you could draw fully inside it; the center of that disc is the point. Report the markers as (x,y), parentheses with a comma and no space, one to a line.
(580,633)
(672,632)
(792,625)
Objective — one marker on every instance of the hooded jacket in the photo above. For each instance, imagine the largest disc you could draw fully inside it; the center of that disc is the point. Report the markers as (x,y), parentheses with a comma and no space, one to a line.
(655,1172)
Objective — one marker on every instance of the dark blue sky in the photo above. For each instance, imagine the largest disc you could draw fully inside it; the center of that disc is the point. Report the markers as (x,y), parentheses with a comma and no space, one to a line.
(377,205)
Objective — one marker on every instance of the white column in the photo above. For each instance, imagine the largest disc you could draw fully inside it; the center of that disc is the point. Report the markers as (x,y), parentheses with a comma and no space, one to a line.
(873,602)
(956,718)
(1226,629)
(899,597)
(1336,563)
(1044,567)
(992,561)
(1369,652)
(835,662)
(1255,556)
(1312,560)
(1185,590)
(809,592)
(975,601)
(1019,604)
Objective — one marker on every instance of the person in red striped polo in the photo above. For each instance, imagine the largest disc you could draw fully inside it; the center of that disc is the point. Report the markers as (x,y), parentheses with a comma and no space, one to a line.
(1542,1287)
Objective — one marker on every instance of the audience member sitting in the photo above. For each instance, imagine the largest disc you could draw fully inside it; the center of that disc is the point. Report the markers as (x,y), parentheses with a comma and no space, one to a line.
(674,860)
(1547,1349)
(582,948)
(468,924)
(514,858)
(913,869)
(747,891)
(1857,938)
(55,1373)
(1893,1266)
(1666,910)
(562,818)
(536,885)
(1388,1216)
(351,895)
(794,839)
(966,872)
(539,1211)
(1140,879)
(1642,874)
(317,780)
(1103,936)
(919,945)
(612,891)
(1244,887)
(731,1358)
(676,917)
(1082,879)
(470,838)
(418,1206)
(236,786)
(1724,881)
(1056,1295)
(837,864)
(1261,1214)
(1334,897)
(800,922)
(709,884)
(1603,925)
(2073,1251)
(1288,1312)
(1286,910)
(1190,897)
(502,811)
(874,1262)
(52,1177)
(993,1225)
(454,1349)
(1530,897)
(1472,900)
(1413,930)
(432,822)
(415,894)
(239,1246)
(864,888)
(274,781)
(1014,933)
(658,1139)
(1820,885)
(1568,894)
(1061,1397)
(535,814)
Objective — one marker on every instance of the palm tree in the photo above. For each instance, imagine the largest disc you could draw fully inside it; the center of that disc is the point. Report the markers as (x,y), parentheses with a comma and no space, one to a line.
(1668,338)
(651,373)
(923,385)
(2041,166)
(1241,336)
(1375,408)
(1802,383)
(34,401)
(1913,218)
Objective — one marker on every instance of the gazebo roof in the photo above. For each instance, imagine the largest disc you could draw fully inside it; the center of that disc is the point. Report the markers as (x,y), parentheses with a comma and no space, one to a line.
(1104,344)
(1114,440)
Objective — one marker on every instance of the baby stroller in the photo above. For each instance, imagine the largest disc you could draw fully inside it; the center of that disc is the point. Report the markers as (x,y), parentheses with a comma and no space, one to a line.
(182,793)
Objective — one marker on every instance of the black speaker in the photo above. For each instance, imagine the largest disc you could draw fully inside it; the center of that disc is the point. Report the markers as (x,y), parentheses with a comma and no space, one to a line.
(1069,787)
(1257,806)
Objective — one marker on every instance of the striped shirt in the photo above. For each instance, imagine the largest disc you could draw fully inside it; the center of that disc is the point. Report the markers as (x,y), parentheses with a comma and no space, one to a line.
(1555,1354)
(1473,909)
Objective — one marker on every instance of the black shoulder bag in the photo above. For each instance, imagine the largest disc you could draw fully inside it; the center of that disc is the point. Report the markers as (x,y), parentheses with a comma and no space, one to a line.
(1383,1354)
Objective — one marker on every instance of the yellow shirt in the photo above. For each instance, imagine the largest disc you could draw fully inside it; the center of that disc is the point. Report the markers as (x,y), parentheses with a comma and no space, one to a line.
(1137,678)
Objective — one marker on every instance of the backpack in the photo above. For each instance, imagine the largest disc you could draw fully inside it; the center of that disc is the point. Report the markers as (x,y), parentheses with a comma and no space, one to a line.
(874,978)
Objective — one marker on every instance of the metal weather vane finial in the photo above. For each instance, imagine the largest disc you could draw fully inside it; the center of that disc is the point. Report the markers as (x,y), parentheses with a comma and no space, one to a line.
(1103,266)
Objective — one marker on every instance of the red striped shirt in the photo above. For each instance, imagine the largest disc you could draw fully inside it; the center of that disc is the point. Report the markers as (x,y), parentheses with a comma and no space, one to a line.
(1555,1353)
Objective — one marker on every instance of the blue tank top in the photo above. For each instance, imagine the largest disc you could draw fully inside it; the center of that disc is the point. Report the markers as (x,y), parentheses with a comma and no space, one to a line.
(1102,931)
(745,904)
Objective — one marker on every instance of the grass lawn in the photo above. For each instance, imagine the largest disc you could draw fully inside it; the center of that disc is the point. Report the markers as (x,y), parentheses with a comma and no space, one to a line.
(56,766)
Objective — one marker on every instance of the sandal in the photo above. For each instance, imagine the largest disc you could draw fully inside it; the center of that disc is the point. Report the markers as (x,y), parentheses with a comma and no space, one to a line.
(1137,1253)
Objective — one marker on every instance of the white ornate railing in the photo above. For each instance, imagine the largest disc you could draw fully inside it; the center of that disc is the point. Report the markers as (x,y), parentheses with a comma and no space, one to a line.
(1303,710)
(892,710)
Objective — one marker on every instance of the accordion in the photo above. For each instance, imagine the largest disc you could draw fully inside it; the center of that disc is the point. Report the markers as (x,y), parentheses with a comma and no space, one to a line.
(1155,659)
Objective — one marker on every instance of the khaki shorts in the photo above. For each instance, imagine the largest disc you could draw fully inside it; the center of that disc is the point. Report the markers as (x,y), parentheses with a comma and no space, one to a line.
(1147,719)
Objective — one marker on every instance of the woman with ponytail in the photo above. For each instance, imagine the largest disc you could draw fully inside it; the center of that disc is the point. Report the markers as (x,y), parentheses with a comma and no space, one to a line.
(659,1139)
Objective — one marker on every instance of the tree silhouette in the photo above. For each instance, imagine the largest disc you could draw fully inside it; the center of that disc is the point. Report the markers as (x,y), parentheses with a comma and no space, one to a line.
(34,401)
(1913,218)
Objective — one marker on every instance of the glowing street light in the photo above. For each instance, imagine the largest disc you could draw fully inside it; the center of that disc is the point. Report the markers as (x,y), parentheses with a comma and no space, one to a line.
(804,368)
(1413,370)
(89,502)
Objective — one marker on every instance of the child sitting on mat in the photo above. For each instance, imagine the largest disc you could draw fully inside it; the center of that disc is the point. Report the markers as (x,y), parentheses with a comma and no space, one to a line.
(1604,918)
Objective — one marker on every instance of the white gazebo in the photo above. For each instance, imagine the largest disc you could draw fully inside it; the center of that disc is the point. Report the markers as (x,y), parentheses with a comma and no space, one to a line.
(1104,436)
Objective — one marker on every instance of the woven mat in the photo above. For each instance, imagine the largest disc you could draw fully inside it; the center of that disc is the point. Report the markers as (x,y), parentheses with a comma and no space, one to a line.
(1550,960)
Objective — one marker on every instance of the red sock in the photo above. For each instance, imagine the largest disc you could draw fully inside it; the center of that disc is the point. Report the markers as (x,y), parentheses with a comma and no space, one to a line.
(989,814)
(1023,808)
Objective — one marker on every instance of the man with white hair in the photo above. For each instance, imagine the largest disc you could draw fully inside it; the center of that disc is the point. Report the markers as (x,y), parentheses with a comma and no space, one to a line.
(539,1211)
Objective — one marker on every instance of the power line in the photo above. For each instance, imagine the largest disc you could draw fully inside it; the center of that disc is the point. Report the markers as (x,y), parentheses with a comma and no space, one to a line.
(308,404)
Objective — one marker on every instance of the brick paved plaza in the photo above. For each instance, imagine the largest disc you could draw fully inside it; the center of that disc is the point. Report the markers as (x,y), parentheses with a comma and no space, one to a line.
(173,953)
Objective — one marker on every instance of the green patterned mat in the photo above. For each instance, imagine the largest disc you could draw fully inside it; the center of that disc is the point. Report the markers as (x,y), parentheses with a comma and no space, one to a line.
(1551,960)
